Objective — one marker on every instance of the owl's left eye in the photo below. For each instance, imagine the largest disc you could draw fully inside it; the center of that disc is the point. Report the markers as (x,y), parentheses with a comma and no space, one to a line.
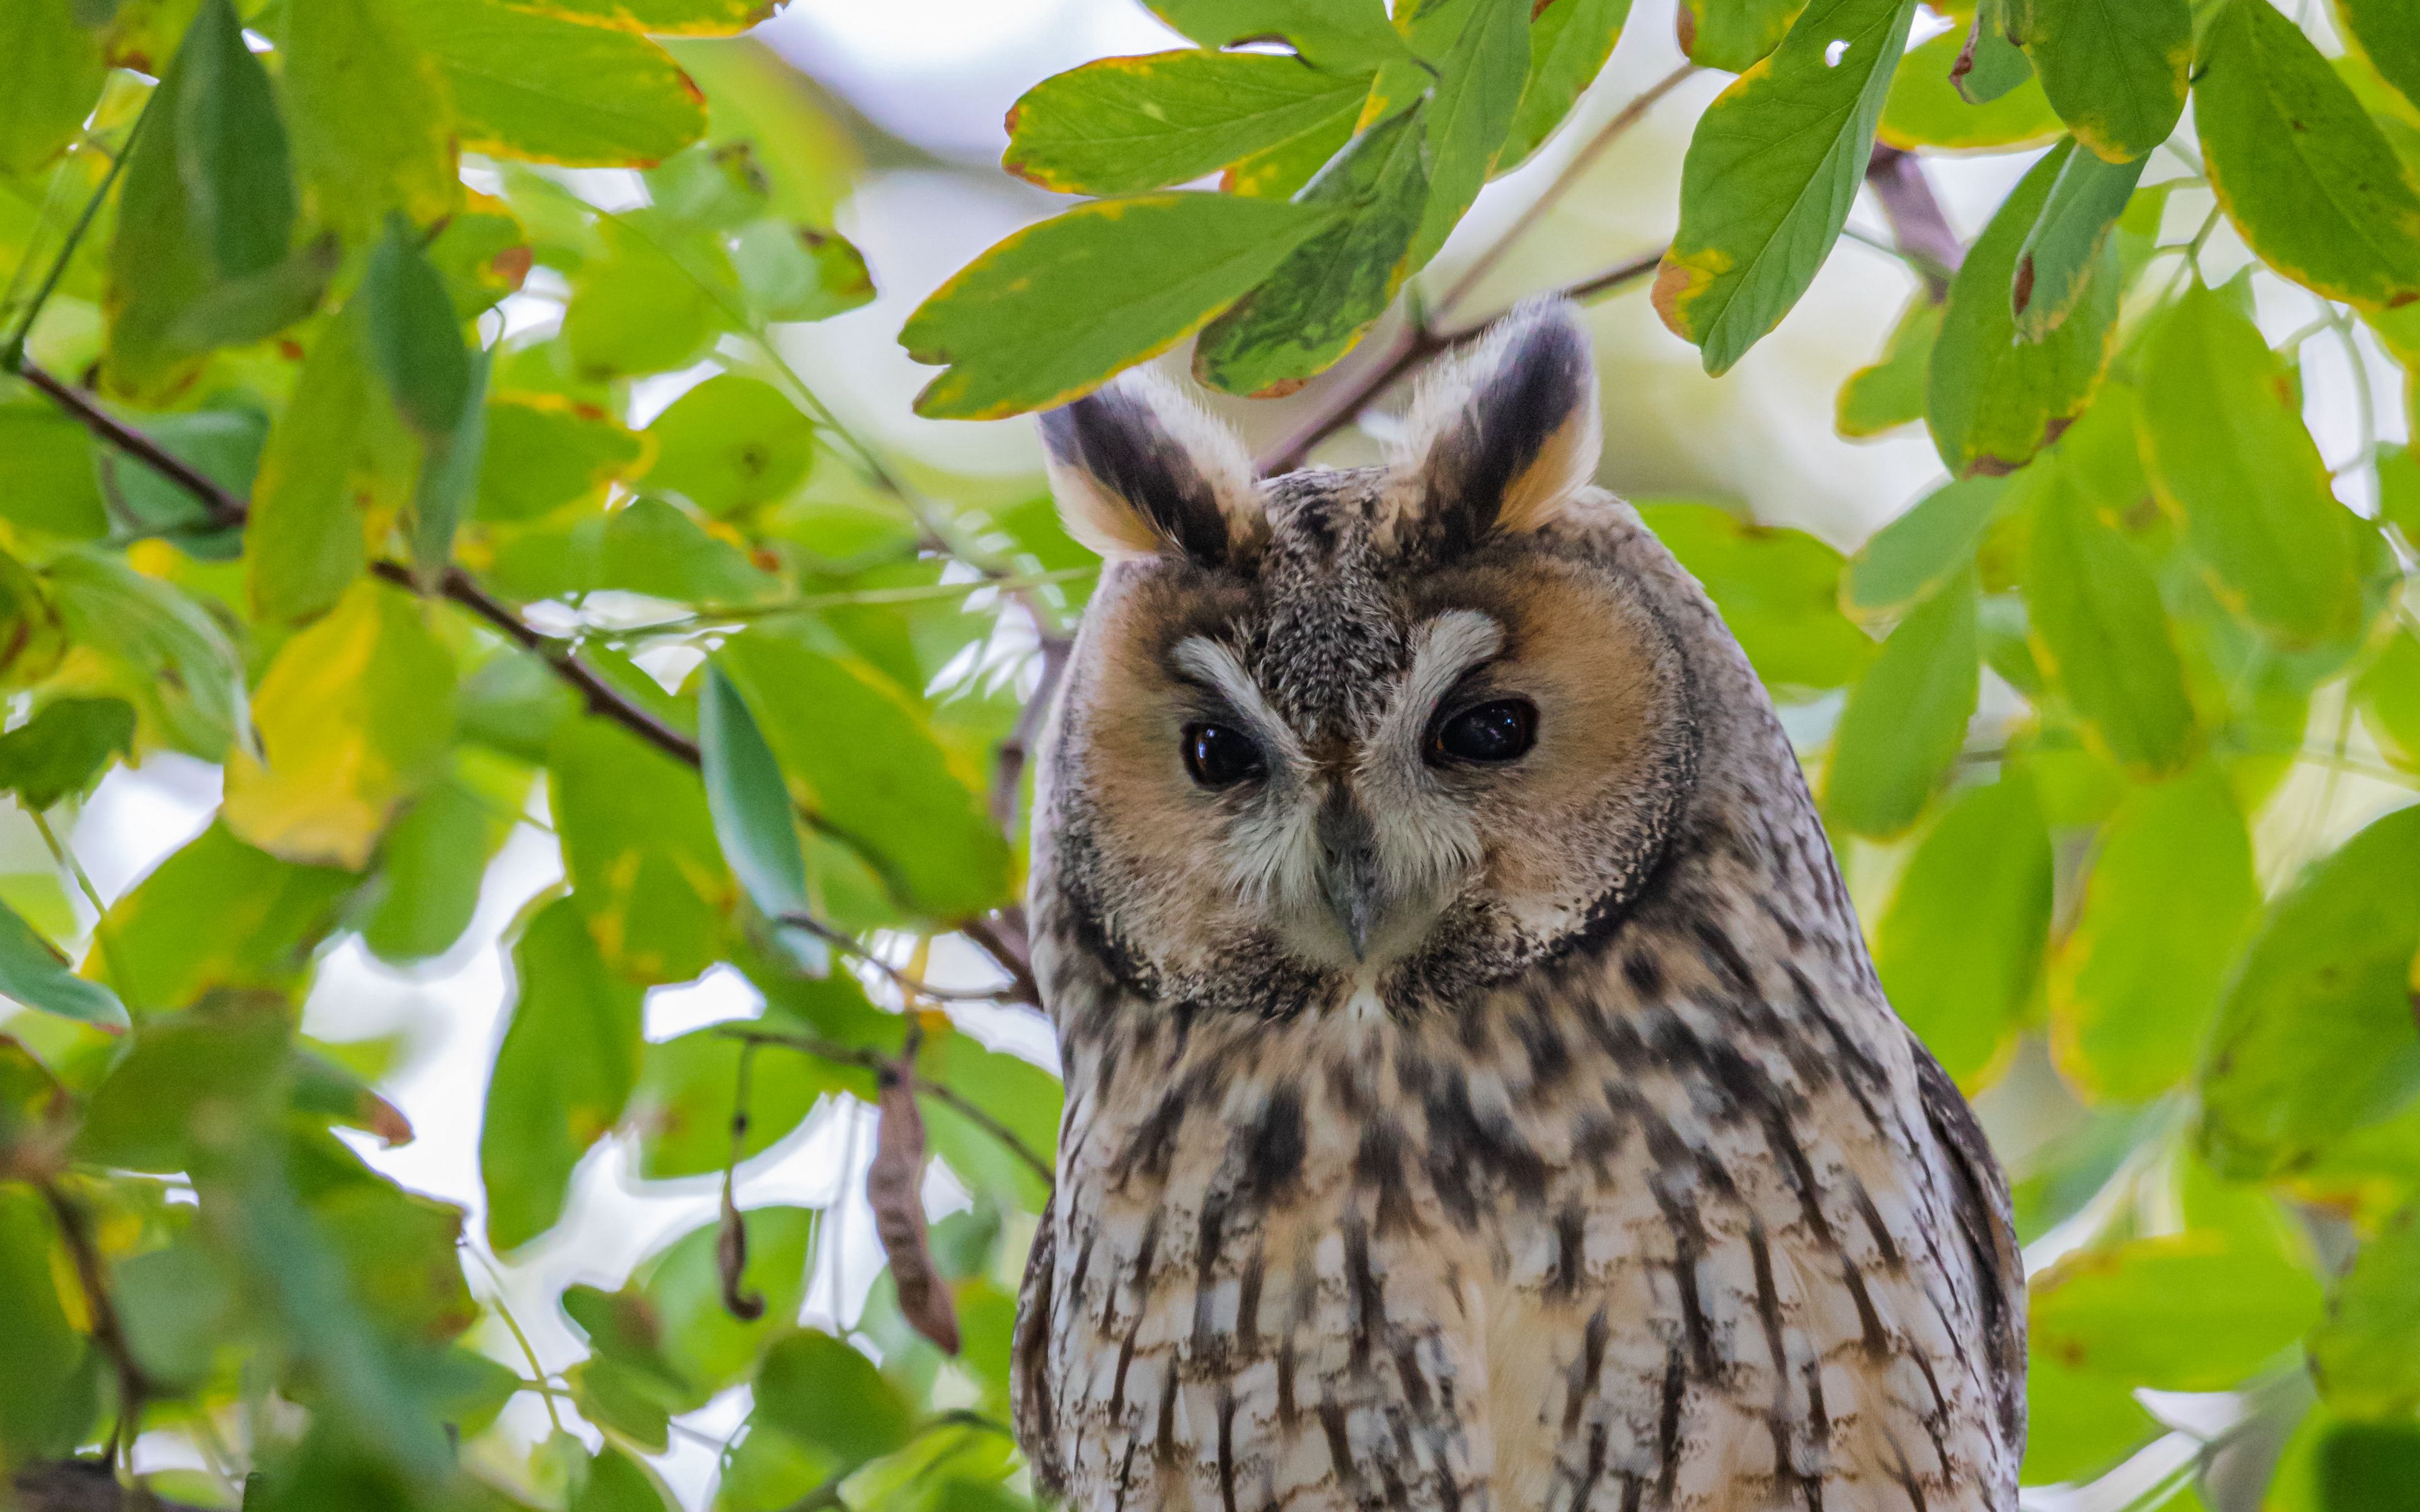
(1220,756)
(1494,732)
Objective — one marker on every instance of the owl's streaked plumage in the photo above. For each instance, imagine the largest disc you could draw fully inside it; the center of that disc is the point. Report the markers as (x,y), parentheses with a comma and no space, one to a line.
(1449,1128)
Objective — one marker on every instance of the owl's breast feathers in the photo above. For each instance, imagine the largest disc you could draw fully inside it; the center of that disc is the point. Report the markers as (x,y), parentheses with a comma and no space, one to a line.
(1684,1220)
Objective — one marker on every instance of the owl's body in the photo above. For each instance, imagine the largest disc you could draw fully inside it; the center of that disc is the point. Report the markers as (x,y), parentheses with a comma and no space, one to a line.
(1461,1131)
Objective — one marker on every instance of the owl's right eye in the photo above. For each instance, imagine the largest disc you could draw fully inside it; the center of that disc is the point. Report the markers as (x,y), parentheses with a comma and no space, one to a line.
(1220,756)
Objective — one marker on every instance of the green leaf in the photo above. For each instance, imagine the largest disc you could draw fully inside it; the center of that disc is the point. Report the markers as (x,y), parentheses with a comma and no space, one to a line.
(2055,265)
(216,913)
(2169,902)
(1346,36)
(1889,392)
(1333,286)
(637,310)
(1779,591)
(654,547)
(46,473)
(2099,631)
(2399,486)
(1025,1099)
(176,1305)
(617,1483)
(1994,399)
(1056,308)
(2182,1312)
(1965,936)
(1927,108)
(1988,65)
(664,17)
(429,870)
(2077,1424)
(43,1412)
(821,1392)
(529,84)
(681,1110)
(64,748)
(1569,41)
(2331,1465)
(1914,555)
(2389,697)
(2366,1351)
(449,476)
(224,445)
(751,805)
(545,452)
(340,462)
(729,443)
(57,73)
(188,1081)
(1121,125)
(2115,70)
(181,673)
(2300,167)
(414,341)
(683,1282)
(2222,440)
(1480,53)
(797,272)
(372,131)
(569,1062)
(35,973)
(1732,35)
(2388,35)
(1907,717)
(355,716)
(639,848)
(887,789)
(2315,1038)
(1771,173)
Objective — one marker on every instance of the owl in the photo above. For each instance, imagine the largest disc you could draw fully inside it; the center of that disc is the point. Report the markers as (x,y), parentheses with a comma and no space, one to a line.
(1480,1098)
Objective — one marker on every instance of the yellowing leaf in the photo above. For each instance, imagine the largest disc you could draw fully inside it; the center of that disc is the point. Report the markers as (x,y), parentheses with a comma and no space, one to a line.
(371,121)
(339,465)
(353,716)
(528,83)
(55,71)
(2114,68)
(1888,392)
(640,847)
(1569,41)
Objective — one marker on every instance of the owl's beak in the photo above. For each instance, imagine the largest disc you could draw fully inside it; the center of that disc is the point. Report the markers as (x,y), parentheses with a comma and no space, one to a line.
(1348,869)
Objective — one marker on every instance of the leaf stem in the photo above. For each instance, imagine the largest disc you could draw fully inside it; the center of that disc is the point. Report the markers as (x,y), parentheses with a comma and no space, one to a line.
(13,355)
(529,1352)
(64,859)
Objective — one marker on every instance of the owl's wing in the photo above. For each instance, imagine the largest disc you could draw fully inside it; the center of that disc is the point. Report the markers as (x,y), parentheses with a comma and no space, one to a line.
(1030,1363)
(1986,1222)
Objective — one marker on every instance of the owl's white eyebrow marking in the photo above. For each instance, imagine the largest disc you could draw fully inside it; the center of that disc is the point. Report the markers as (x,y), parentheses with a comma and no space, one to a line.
(1218,665)
(1443,649)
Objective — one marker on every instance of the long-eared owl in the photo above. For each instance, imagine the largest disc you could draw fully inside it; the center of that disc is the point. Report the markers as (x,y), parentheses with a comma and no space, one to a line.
(1479,1092)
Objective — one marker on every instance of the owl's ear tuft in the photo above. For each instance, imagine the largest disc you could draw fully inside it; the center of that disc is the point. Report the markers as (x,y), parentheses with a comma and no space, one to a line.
(1505,436)
(1141,469)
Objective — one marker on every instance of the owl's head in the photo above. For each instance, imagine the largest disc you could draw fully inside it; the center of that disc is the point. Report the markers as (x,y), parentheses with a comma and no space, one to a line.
(1366,737)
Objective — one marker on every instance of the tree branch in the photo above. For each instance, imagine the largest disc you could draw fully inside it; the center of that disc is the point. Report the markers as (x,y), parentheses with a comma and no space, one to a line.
(83,1486)
(1915,216)
(225,509)
(108,1334)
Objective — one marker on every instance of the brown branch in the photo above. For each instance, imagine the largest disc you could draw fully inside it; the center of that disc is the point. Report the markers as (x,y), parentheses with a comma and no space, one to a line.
(882,1066)
(82,1485)
(225,509)
(1916,220)
(108,1333)
(1008,772)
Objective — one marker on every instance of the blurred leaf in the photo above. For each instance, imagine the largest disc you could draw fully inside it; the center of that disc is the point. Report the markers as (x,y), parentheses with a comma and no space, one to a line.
(429,870)
(1121,125)
(187,1078)
(730,443)
(526,83)
(64,748)
(216,913)
(1995,400)
(1569,43)
(2060,255)
(707,1346)
(822,1393)
(34,972)
(1926,108)
(1779,591)
(789,124)
(751,805)
(1347,36)
(1989,64)
(47,482)
(797,272)
(2331,1465)
(1963,940)
(1025,1099)
(224,445)
(2182,1312)
(41,1412)
(414,338)
(177,1306)
(1732,35)
(2299,166)
(650,546)
(637,310)
(184,675)
(2388,35)
(682,1107)
(399,1251)
(340,463)
(370,114)
(617,1483)
(2399,486)
(354,715)
(2224,442)
(1479,53)
(515,705)
(680,18)
(2117,72)
(2099,631)
(1916,555)
(1772,170)
(2166,906)
(2077,1424)
(1889,392)
(544,452)
(887,789)
(2389,695)
(59,73)
(1056,308)
(569,1059)
(640,847)
(1333,286)
(2366,1352)
(2316,1035)
(483,254)
(1907,717)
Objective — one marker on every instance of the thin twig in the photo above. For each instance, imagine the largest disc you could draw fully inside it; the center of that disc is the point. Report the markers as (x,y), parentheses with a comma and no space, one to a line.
(1916,220)
(881,1065)
(912,985)
(134,1387)
(225,509)
(12,356)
